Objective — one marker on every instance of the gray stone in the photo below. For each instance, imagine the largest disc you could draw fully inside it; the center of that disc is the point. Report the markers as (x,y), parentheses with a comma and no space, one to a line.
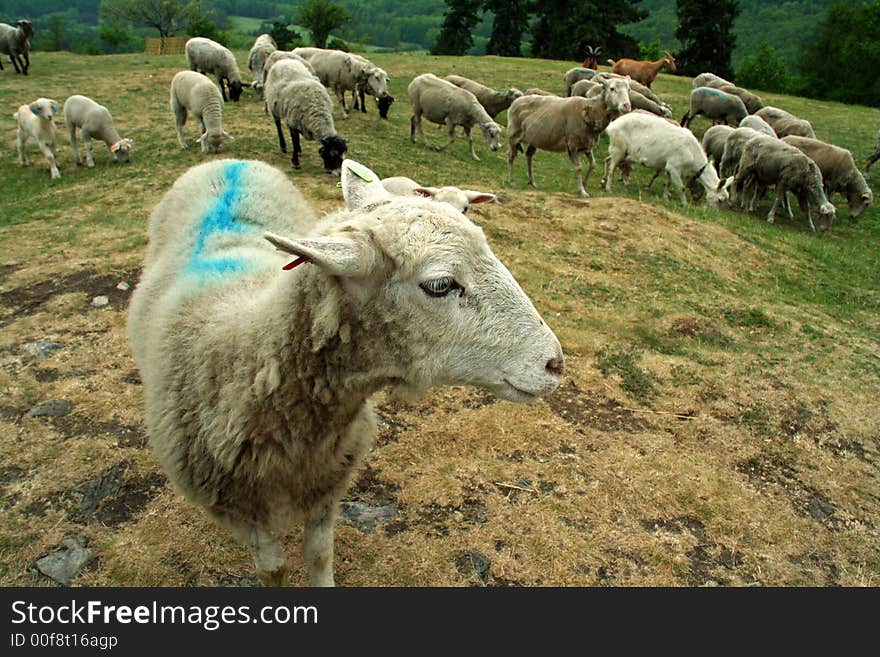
(123,286)
(40,349)
(51,408)
(101,301)
(474,562)
(366,517)
(64,564)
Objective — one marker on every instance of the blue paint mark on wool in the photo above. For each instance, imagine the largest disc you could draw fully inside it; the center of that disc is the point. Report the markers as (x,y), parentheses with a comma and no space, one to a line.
(221,218)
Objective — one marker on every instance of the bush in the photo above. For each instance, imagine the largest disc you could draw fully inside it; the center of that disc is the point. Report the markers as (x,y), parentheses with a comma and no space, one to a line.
(763,70)
(337,44)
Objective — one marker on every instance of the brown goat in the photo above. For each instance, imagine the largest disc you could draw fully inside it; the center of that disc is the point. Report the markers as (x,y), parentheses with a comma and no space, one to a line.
(592,60)
(642,71)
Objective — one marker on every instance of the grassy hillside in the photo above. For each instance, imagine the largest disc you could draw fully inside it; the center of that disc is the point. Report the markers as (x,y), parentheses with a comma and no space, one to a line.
(717,423)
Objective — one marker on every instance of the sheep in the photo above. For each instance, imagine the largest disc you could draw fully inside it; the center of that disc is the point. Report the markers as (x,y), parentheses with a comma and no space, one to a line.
(714,105)
(207,56)
(713,142)
(284,54)
(494,102)
(642,71)
(442,102)
(586,87)
(536,91)
(839,172)
(376,78)
(660,145)
(299,99)
(769,161)
(575,75)
(874,156)
(731,154)
(784,123)
(383,103)
(15,42)
(710,80)
(195,93)
(93,120)
(343,72)
(570,124)
(36,121)
(460,199)
(755,122)
(258,376)
(752,102)
(264,45)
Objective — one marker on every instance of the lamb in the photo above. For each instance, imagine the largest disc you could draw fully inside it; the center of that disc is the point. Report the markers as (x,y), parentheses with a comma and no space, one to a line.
(264,45)
(785,124)
(36,121)
(93,120)
(207,56)
(657,144)
(755,122)
(874,156)
(715,105)
(494,102)
(572,125)
(643,71)
(752,101)
(713,142)
(195,93)
(769,161)
(460,199)
(442,102)
(299,99)
(15,42)
(839,172)
(710,80)
(343,72)
(263,414)
(587,87)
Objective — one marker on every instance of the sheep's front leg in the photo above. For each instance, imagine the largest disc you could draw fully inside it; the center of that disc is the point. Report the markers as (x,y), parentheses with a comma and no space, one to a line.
(674,178)
(71,132)
(297,149)
(222,91)
(467,133)
(575,158)
(340,96)
(780,198)
(318,545)
(281,143)
(14,61)
(22,154)
(90,154)
(450,127)
(49,152)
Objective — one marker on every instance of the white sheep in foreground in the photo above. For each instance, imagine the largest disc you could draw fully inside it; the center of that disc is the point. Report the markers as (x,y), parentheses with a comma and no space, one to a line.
(264,45)
(195,93)
(656,143)
(93,120)
(207,56)
(298,98)
(570,125)
(37,121)
(460,199)
(15,42)
(444,103)
(259,364)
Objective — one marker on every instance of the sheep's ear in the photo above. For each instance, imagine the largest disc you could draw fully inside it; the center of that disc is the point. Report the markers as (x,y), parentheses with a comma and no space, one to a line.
(479,197)
(55,107)
(427,192)
(352,257)
(360,185)
(35,108)
(725,184)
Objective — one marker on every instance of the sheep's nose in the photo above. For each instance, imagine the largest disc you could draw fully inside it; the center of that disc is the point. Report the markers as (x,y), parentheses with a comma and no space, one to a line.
(556,366)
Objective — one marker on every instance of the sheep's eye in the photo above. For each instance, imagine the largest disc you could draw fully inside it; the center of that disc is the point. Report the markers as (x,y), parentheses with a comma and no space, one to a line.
(440,287)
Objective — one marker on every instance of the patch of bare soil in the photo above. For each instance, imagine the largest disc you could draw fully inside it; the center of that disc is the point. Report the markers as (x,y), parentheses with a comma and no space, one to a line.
(599,412)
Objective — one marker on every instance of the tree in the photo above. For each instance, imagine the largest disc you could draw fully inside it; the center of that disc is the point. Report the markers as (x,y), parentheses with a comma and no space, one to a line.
(763,70)
(705,31)
(458,21)
(320,17)
(166,16)
(511,21)
(563,29)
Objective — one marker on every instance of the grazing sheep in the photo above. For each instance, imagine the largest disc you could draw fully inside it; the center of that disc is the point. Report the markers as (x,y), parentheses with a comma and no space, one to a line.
(442,102)
(258,377)
(652,141)
(37,121)
(195,93)
(574,75)
(263,47)
(715,105)
(284,54)
(537,92)
(755,122)
(207,56)
(730,157)
(93,120)
(752,102)
(15,42)
(769,161)
(713,142)
(372,79)
(572,125)
(839,172)
(295,96)
(643,71)
(785,123)
(586,88)
(383,103)
(460,199)
(710,80)
(874,156)
(341,72)
(494,102)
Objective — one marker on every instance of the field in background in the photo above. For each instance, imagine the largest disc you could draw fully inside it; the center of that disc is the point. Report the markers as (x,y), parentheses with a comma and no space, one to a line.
(717,423)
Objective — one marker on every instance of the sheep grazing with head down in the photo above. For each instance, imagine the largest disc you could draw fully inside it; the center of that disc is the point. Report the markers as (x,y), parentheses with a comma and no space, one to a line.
(207,56)
(15,42)
(194,93)
(37,121)
(715,105)
(494,102)
(785,123)
(264,45)
(874,156)
(262,334)
(93,120)
(460,199)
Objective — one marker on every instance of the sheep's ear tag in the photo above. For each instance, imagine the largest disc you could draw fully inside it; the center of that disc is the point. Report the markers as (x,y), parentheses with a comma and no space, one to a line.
(35,111)
(295,263)
(361,171)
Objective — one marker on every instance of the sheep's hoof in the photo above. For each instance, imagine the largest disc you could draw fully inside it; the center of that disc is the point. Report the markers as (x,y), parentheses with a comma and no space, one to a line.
(475,158)
(770,219)
(295,167)
(273,577)
(91,165)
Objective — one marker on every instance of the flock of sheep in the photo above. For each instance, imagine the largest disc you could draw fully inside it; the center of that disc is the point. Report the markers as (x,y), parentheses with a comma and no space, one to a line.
(263,414)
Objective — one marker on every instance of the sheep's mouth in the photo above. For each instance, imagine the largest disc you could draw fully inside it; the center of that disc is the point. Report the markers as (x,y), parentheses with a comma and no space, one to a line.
(518,394)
